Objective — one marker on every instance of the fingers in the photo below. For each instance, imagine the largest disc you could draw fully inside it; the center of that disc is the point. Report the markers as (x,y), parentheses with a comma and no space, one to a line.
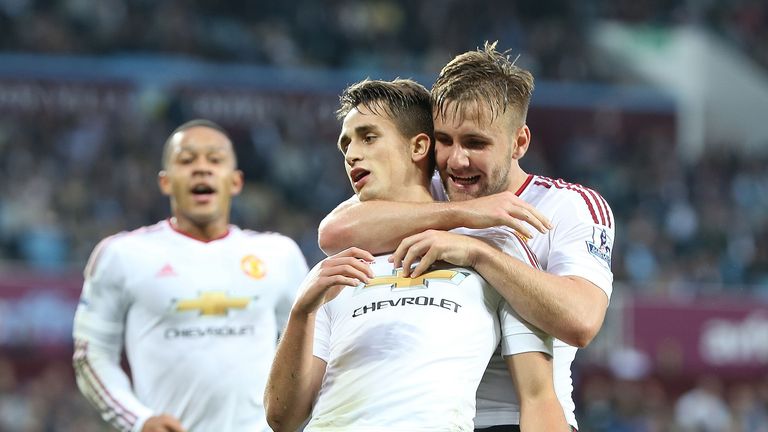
(402,249)
(528,213)
(414,248)
(163,423)
(414,253)
(520,228)
(355,253)
(537,219)
(427,260)
(349,266)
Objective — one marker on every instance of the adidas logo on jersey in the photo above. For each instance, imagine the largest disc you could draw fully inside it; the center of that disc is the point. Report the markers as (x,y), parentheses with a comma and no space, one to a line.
(166,271)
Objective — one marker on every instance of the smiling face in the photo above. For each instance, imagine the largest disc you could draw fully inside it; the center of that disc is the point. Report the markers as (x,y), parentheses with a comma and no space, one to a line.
(200,177)
(477,153)
(377,157)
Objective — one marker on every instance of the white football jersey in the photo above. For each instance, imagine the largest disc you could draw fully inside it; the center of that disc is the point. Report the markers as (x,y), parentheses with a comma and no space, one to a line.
(407,354)
(198,322)
(580,244)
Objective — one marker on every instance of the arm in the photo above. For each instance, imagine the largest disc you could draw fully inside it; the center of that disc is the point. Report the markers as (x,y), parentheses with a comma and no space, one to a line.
(98,336)
(378,226)
(296,374)
(569,308)
(540,409)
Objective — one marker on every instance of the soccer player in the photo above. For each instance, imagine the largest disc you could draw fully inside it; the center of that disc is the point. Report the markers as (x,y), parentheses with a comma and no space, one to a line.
(195,302)
(480,101)
(372,350)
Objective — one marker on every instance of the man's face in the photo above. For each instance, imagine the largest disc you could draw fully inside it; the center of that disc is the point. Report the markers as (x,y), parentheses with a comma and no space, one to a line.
(200,176)
(473,153)
(375,154)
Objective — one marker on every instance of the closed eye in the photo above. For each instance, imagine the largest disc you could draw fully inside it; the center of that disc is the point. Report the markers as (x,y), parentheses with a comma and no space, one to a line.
(475,144)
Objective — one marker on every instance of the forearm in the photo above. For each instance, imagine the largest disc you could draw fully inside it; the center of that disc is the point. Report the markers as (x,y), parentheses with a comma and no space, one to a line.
(106,386)
(379,226)
(532,375)
(569,308)
(293,381)
(543,414)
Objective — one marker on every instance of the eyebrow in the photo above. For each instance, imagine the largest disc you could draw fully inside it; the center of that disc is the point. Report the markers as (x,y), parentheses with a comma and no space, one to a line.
(359,131)
(470,135)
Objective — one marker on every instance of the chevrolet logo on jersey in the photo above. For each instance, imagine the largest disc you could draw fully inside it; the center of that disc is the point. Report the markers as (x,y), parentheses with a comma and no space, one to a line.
(212,303)
(399,283)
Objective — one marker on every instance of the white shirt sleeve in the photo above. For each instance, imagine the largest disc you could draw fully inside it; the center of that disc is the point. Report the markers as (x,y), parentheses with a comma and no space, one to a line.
(519,336)
(297,271)
(321,347)
(581,247)
(98,334)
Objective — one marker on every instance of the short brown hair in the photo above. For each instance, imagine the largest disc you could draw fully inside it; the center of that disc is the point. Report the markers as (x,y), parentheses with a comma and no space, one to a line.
(404,101)
(483,76)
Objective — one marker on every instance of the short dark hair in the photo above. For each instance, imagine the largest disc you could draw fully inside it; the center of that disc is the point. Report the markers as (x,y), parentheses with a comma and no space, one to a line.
(404,101)
(189,125)
(483,76)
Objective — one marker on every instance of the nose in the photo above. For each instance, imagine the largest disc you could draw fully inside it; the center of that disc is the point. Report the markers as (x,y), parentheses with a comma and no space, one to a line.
(353,154)
(202,167)
(458,157)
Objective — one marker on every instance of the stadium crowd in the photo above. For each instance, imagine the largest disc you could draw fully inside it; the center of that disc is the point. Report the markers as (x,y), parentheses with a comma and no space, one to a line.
(685,228)
(386,34)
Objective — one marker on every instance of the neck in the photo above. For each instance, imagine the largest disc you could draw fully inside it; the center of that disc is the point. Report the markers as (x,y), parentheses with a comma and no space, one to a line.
(201,231)
(416,193)
(517,179)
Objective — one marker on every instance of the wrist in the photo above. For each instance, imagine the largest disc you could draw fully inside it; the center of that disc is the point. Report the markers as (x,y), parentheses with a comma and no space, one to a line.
(480,254)
(301,315)
(455,215)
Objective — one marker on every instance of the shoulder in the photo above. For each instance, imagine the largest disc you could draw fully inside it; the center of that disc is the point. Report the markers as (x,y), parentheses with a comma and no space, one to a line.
(274,241)
(110,249)
(572,200)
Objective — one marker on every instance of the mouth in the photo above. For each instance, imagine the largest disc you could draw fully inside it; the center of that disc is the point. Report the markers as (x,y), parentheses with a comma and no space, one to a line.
(358,175)
(202,192)
(464,181)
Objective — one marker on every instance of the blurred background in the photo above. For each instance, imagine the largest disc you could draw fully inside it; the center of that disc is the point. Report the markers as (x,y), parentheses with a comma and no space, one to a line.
(662,106)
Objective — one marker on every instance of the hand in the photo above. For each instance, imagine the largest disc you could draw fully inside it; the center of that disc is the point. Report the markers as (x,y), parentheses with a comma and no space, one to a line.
(162,423)
(504,208)
(435,245)
(326,280)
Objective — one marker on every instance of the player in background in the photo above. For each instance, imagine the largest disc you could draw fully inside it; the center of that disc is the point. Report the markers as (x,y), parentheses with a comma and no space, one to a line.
(480,102)
(195,302)
(374,351)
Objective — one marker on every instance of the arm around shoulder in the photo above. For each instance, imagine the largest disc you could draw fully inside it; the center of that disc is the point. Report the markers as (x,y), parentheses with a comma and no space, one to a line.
(379,226)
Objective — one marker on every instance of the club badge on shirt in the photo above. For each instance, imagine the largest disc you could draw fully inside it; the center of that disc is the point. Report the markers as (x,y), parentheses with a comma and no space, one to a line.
(601,245)
(253,267)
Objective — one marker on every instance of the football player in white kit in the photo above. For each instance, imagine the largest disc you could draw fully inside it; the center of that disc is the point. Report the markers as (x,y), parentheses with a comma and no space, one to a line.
(195,302)
(480,102)
(368,350)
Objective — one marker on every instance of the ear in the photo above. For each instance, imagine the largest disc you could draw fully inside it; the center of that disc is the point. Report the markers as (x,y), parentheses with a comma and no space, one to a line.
(421,146)
(164,182)
(237,182)
(521,143)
